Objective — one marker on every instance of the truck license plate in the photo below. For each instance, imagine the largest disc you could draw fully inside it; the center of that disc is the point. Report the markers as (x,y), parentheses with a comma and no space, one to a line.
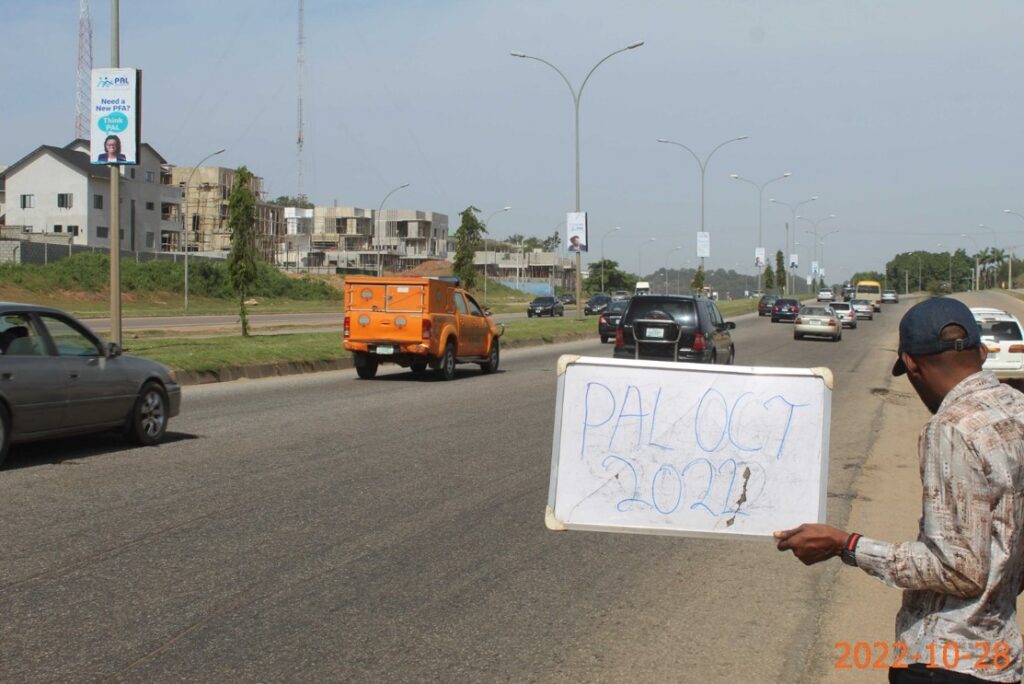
(385,349)
(657,333)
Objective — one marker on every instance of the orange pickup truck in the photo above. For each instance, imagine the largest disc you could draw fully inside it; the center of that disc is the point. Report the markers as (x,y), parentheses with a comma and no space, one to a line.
(416,323)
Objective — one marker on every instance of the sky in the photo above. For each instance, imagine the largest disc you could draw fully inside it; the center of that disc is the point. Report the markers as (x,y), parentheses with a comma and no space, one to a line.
(902,116)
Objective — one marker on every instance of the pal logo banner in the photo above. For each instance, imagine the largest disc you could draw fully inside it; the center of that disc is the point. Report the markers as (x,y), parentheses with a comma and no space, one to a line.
(759,257)
(703,245)
(814,268)
(576,231)
(794,261)
(115,120)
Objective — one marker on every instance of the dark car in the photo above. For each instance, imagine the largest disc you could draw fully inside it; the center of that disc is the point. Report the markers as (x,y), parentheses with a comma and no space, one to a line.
(58,379)
(785,310)
(567,299)
(545,306)
(596,304)
(764,305)
(609,321)
(674,328)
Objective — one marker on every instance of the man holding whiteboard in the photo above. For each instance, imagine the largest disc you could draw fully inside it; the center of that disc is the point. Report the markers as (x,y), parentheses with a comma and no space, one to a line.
(961,578)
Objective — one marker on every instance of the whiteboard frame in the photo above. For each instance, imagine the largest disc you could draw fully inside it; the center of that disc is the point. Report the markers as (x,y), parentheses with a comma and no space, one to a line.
(553,523)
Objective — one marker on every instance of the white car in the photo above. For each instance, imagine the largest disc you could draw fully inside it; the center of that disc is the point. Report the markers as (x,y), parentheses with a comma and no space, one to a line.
(1001,332)
(845,313)
(826,295)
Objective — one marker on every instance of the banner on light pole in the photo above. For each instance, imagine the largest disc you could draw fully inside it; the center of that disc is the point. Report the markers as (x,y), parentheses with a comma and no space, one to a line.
(759,257)
(116,118)
(810,280)
(576,231)
(703,245)
(794,261)
(814,268)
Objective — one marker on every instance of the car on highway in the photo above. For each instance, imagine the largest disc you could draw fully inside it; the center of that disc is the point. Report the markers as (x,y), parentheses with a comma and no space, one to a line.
(764,305)
(674,328)
(785,310)
(864,308)
(608,323)
(618,295)
(847,316)
(596,304)
(57,378)
(826,295)
(567,299)
(545,306)
(818,321)
(1002,334)
(890,297)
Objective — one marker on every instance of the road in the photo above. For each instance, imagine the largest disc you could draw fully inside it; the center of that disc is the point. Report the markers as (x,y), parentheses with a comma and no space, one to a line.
(323,528)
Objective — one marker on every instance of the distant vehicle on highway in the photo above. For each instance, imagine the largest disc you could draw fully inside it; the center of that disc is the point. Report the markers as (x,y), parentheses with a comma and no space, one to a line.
(826,295)
(609,320)
(764,306)
(1002,334)
(863,308)
(545,306)
(890,297)
(848,291)
(60,379)
(817,321)
(846,314)
(596,304)
(567,299)
(785,310)
(620,294)
(642,288)
(870,290)
(674,328)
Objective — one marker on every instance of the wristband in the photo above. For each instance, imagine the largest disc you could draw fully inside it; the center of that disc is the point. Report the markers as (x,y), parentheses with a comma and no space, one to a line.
(849,553)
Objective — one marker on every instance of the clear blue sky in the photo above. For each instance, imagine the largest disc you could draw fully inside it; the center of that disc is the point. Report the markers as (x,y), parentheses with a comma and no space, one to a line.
(904,117)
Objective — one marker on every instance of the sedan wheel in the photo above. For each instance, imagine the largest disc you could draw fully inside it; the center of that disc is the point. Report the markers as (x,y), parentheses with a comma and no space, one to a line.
(149,417)
(5,433)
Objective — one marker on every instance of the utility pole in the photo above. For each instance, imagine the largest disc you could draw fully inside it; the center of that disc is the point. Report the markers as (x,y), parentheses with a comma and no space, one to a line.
(83,90)
(302,68)
(115,195)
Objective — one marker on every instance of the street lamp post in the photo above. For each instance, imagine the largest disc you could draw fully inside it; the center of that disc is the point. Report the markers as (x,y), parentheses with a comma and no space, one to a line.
(486,264)
(977,265)
(792,208)
(814,248)
(379,210)
(184,230)
(576,94)
(639,257)
(950,277)
(1009,280)
(602,253)
(760,213)
(703,167)
(831,232)
(668,255)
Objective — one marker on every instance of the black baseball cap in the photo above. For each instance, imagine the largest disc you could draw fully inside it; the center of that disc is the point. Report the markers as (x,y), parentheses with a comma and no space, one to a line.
(921,329)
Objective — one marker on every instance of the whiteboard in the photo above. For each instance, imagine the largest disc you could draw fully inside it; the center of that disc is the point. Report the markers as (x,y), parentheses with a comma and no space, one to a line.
(656,447)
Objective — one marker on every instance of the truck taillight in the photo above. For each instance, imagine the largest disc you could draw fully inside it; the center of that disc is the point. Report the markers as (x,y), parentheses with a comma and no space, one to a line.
(348,326)
(1017,348)
(603,320)
(428,328)
(620,337)
(698,342)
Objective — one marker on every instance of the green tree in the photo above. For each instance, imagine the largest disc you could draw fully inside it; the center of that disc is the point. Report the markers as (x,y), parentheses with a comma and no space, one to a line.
(698,280)
(467,240)
(243,270)
(769,278)
(302,202)
(780,271)
(552,243)
(614,277)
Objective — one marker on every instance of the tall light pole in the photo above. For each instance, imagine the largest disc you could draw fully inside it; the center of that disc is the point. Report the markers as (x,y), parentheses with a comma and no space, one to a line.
(814,249)
(639,257)
(703,164)
(831,232)
(486,264)
(377,218)
(939,244)
(184,230)
(792,208)
(576,94)
(760,213)
(976,262)
(668,255)
(616,228)
(1009,281)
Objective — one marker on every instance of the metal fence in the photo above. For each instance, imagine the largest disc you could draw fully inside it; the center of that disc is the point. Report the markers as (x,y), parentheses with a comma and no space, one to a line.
(28,251)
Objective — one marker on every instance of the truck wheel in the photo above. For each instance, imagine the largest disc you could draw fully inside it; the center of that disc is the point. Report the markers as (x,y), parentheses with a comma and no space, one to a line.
(446,368)
(492,358)
(366,366)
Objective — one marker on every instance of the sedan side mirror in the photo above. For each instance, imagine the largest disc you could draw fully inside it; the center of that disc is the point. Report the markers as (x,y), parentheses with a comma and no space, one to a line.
(113,349)
(729,325)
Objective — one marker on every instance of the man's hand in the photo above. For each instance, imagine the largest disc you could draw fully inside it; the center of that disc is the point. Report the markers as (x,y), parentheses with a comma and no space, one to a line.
(812,543)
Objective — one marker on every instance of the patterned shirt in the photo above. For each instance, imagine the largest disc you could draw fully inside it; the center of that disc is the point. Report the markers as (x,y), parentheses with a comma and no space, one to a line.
(962,575)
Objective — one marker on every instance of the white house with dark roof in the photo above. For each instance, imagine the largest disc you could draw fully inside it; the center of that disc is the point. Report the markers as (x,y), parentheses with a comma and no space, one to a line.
(57,191)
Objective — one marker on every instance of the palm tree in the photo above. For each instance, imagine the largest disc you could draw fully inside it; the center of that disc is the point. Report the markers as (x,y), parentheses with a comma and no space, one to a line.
(997,257)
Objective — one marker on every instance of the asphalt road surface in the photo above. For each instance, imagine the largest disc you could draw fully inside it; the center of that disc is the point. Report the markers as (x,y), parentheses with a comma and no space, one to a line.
(325,528)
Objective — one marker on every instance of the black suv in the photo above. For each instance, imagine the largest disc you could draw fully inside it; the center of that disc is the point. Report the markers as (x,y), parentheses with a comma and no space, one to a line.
(674,328)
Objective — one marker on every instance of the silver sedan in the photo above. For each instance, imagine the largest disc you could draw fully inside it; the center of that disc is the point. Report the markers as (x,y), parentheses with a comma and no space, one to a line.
(58,379)
(819,321)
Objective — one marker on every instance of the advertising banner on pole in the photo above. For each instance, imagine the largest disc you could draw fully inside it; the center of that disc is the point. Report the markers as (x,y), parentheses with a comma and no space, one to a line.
(810,280)
(703,245)
(576,231)
(794,261)
(814,268)
(116,118)
(759,257)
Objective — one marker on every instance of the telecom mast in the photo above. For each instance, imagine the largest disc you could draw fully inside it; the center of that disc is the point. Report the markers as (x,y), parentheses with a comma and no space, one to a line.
(302,66)
(83,85)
